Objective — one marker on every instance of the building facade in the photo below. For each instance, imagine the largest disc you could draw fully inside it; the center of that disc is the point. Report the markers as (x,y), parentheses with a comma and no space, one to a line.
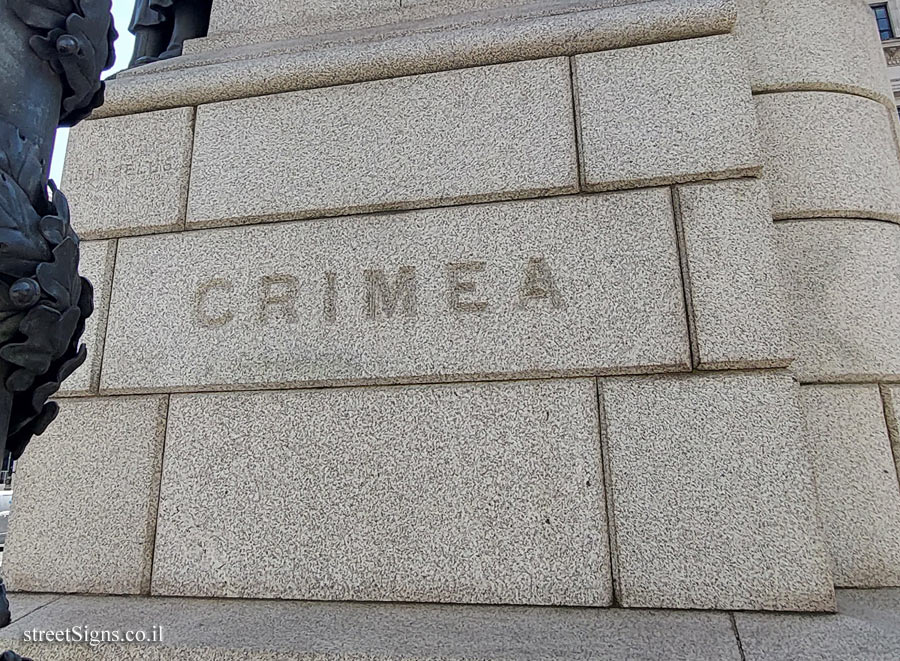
(887,15)
(583,303)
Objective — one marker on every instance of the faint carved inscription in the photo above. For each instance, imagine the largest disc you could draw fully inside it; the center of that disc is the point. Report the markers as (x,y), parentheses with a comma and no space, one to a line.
(386,296)
(462,286)
(383,294)
(540,284)
(279,298)
(329,304)
(204,309)
(135,169)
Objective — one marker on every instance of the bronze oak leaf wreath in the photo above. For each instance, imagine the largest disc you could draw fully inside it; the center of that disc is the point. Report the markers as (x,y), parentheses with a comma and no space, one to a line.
(43,301)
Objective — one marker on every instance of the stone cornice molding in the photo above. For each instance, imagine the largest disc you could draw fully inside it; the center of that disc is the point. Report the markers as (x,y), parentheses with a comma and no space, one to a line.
(562,28)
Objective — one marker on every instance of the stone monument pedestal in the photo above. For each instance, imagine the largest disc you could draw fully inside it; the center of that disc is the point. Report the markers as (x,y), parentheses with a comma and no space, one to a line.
(582,303)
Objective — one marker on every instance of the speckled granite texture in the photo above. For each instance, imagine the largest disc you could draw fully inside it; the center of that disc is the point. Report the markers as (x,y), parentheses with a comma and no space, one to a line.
(837,48)
(129,175)
(474,134)
(856,482)
(664,113)
(295,64)
(484,493)
(736,291)
(84,513)
(464,293)
(829,155)
(842,282)
(864,629)
(711,494)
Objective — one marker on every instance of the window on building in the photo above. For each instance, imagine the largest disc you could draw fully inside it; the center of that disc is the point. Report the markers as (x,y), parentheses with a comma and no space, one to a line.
(884,21)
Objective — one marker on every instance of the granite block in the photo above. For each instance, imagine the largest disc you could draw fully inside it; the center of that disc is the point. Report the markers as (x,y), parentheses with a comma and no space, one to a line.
(484,493)
(129,175)
(736,295)
(812,44)
(711,494)
(98,260)
(234,629)
(560,286)
(84,511)
(859,496)
(469,135)
(828,155)
(866,628)
(664,113)
(842,282)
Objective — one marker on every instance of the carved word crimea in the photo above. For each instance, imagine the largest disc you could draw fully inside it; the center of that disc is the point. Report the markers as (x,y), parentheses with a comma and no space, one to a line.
(382,296)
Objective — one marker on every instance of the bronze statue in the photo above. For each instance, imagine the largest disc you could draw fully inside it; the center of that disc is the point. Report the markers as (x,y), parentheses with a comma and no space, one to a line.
(161,27)
(51,55)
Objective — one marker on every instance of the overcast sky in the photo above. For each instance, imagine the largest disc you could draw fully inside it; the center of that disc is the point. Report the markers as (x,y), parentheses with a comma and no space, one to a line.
(124,45)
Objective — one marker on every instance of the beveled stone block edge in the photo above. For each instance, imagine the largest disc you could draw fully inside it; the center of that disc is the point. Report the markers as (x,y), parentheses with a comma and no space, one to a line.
(101,316)
(824,86)
(387,207)
(463,378)
(699,363)
(202,79)
(139,582)
(807,603)
(890,109)
(407,17)
(749,170)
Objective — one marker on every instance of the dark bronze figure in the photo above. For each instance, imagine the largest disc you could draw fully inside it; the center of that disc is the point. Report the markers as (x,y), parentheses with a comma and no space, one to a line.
(160,27)
(51,55)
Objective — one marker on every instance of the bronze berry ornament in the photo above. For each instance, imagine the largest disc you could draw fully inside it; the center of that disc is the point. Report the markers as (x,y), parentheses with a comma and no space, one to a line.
(52,53)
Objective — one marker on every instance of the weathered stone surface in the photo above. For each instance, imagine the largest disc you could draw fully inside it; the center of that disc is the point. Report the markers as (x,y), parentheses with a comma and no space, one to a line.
(485,493)
(866,628)
(664,113)
(129,175)
(842,281)
(812,44)
(475,134)
(712,494)
(84,512)
(234,630)
(562,286)
(736,295)
(829,155)
(856,480)
(97,263)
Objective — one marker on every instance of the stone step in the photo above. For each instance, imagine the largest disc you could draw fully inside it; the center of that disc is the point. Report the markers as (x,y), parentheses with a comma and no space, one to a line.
(866,627)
